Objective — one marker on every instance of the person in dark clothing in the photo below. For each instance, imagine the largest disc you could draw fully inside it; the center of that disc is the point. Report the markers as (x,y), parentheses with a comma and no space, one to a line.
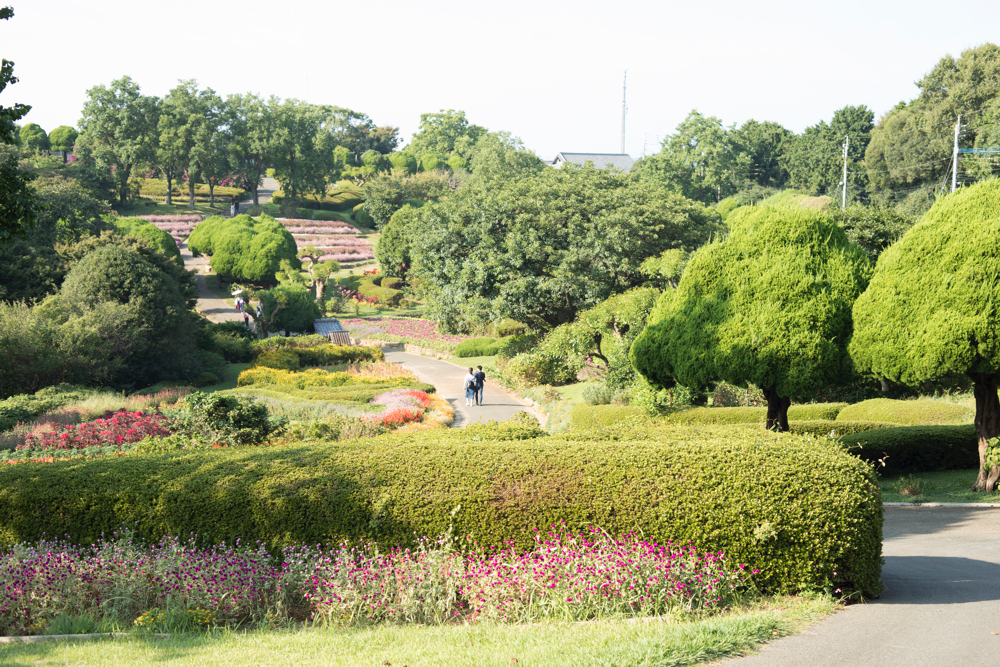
(480,381)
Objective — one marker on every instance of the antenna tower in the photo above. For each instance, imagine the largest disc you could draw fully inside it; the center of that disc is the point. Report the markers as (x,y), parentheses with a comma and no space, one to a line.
(624,108)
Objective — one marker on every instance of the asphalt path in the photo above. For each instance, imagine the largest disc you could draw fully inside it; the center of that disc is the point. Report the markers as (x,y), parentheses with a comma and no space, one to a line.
(940,604)
(447,378)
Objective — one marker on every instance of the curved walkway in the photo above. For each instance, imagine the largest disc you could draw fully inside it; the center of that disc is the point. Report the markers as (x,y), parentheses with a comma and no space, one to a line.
(447,377)
(940,606)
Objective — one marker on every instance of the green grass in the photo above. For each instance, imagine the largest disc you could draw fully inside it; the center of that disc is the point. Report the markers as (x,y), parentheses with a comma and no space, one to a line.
(229,382)
(612,642)
(465,362)
(946,486)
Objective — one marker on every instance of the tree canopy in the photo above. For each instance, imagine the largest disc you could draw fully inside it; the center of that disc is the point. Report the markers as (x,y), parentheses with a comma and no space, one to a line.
(244,248)
(815,159)
(931,311)
(17,198)
(541,248)
(770,305)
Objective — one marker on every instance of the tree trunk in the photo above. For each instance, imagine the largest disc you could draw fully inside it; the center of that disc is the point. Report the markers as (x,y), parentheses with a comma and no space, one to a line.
(191,194)
(984,388)
(777,410)
(211,194)
(256,202)
(170,186)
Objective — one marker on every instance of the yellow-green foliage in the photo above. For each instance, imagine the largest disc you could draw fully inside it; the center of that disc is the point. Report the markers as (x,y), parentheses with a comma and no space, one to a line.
(286,360)
(828,427)
(157,187)
(805,513)
(917,448)
(931,309)
(334,200)
(908,413)
(602,416)
(745,415)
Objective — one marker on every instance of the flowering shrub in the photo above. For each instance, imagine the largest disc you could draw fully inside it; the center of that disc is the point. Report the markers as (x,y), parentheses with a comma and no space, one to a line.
(174,585)
(114,428)
(400,406)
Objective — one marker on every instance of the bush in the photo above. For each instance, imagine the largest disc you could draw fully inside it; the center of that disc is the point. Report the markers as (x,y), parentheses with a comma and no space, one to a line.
(516,344)
(287,360)
(744,415)
(292,359)
(589,417)
(25,407)
(598,393)
(916,448)
(478,347)
(824,427)
(234,349)
(672,484)
(908,413)
(509,327)
(392,282)
(226,419)
(283,343)
(535,368)
(362,217)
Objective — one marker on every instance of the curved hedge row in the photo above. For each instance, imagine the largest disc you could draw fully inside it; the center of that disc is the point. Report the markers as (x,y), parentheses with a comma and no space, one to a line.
(917,448)
(908,413)
(743,415)
(807,516)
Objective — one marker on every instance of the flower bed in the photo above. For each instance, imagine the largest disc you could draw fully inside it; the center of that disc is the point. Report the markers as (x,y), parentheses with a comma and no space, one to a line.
(402,330)
(333,239)
(565,576)
(178,226)
(110,433)
(400,406)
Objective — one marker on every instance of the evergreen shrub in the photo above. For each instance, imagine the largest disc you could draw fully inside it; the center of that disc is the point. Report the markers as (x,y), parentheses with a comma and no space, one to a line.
(392,282)
(478,347)
(906,449)
(602,416)
(799,412)
(908,413)
(362,217)
(824,427)
(808,516)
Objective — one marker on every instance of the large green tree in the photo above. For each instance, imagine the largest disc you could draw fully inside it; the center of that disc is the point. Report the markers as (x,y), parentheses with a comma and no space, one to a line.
(931,310)
(249,126)
(63,138)
(34,138)
(300,166)
(17,198)
(815,159)
(770,305)
(189,120)
(540,249)
(764,145)
(245,249)
(118,131)
(444,134)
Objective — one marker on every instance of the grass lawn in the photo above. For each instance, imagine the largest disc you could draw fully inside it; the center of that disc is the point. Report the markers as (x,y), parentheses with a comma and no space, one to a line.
(947,486)
(617,642)
(232,372)
(465,362)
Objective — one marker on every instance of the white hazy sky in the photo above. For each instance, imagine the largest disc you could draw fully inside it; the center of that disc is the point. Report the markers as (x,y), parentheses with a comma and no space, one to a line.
(547,71)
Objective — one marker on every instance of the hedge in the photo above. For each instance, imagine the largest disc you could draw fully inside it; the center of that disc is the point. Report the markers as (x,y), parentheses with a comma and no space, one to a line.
(917,448)
(312,377)
(824,427)
(478,347)
(335,200)
(355,392)
(908,413)
(807,516)
(602,416)
(743,415)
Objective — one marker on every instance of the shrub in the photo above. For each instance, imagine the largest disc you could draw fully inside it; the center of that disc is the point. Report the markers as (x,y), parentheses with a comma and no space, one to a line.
(392,282)
(916,448)
(535,368)
(478,347)
(226,419)
(234,348)
(908,413)
(742,415)
(673,484)
(601,416)
(826,427)
(509,327)
(516,344)
(282,343)
(362,217)
(332,355)
(25,407)
(287,360)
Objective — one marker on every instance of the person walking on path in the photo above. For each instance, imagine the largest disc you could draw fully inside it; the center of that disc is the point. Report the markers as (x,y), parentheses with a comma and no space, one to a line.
(480,377)
(470,387)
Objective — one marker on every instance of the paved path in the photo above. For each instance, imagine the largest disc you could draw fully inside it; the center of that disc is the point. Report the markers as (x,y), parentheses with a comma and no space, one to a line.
(940,606)
(447,378)
(209,305)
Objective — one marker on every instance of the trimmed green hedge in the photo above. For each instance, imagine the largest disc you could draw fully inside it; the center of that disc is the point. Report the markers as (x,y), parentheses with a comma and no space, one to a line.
(478,347)
(917,448)
(743,415)
(601,416)
(908,413)
(808,516)
(823,427)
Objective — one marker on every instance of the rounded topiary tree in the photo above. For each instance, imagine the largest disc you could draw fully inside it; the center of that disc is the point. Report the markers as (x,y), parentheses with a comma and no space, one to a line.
(63,138)
(931,310)
(245,249)
(770,305)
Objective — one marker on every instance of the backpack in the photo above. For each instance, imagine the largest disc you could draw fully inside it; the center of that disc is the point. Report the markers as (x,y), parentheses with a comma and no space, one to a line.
(469,384)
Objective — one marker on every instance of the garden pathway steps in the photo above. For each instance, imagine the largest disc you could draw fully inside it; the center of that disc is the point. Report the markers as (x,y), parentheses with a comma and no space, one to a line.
(498,404)
(940,606)
(209,305)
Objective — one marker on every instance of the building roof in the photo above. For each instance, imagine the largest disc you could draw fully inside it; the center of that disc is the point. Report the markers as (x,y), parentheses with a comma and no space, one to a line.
(327,326)
(601,160)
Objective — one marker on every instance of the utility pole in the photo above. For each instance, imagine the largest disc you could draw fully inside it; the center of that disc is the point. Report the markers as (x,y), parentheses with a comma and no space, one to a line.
(624,82)
(954,157)
(843,200)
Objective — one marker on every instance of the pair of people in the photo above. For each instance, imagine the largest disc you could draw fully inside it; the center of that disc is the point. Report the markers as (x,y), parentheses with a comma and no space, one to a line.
(474,381)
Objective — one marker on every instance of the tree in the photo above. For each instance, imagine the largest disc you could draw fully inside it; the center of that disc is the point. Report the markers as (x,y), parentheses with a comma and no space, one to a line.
(188,123)
(34,138)
(319,271)
(815,159)
(699,161)
(17,198)
(298,311)
(445,133)
(764,144)
(930,311)
(118,130)
(499,155)
(68,212)
(770,305)
(299,166)
(873,227)
(542,248)
(63,138)
(245,249)
(393,249)
(249,126)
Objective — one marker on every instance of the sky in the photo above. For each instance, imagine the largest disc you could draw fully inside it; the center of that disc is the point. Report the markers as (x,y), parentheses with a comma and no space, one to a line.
(547,71)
